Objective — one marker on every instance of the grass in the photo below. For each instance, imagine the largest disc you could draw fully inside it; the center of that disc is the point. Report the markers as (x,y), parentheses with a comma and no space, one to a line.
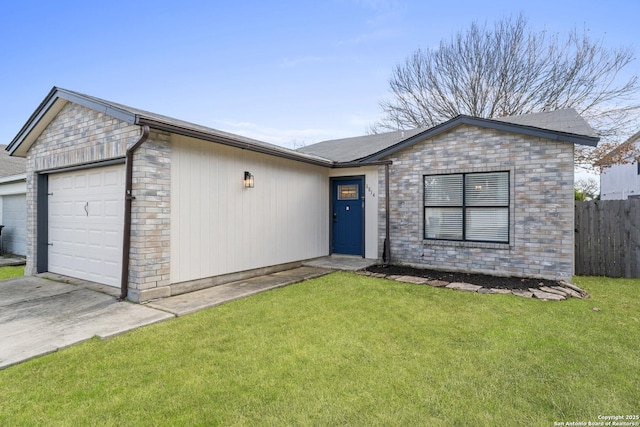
(350,350)
(9,272)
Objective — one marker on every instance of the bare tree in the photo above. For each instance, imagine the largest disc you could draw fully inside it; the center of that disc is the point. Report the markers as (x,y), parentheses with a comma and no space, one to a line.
(509,70)
(586,189)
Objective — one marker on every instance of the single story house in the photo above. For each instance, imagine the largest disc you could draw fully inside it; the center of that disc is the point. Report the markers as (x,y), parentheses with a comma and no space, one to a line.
(620,181)
(159,206)
(13,189)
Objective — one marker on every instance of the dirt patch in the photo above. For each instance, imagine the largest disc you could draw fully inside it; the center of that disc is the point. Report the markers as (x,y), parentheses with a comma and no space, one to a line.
(484,280)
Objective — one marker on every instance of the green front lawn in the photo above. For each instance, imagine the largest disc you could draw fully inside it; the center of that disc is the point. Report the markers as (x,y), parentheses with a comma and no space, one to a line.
(10,272)
(350,350)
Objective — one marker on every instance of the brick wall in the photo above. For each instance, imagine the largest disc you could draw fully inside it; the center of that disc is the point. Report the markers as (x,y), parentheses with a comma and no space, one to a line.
(78,136)
(150,219)
(541,208)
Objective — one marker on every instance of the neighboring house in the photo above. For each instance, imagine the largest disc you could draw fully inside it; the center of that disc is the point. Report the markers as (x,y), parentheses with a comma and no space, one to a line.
(622,180)
(13,189)
(159,206)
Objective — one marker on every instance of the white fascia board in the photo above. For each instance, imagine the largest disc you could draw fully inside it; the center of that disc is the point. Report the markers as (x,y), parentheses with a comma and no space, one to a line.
(13,178)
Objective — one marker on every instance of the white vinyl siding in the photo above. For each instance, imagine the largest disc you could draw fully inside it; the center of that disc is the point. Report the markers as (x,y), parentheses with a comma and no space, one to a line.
(619,182)
(218,226)
(472,207)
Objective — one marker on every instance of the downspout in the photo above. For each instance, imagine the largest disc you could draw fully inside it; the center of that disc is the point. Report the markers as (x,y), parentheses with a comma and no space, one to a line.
(128,199)
(386,257)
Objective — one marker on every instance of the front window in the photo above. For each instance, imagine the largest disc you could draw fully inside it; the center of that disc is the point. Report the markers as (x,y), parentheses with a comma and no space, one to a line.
(468,207)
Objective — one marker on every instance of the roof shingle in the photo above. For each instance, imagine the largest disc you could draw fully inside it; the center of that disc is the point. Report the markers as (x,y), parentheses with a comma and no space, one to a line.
(564,124)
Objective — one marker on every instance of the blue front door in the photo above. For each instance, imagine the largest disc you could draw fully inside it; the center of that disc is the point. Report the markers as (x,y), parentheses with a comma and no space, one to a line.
(347,206)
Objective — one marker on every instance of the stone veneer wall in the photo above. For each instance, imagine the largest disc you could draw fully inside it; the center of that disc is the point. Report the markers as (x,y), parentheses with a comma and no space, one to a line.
(541,203)
(78,136)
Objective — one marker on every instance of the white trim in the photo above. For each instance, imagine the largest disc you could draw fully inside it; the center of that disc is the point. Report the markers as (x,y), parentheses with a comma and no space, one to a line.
(13,178)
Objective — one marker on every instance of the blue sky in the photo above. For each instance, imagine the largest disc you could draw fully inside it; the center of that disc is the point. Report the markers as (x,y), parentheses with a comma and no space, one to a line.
(285,72)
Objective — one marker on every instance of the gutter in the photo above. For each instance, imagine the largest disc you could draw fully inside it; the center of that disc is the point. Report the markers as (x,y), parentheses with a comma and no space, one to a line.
(357,164)
(128,200)
(226,140)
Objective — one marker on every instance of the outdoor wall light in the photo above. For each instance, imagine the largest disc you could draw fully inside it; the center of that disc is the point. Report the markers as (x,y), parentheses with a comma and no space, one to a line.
(248,180)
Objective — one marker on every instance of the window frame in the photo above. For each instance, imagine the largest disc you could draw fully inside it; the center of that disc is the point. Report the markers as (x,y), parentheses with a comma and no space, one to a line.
(464,207)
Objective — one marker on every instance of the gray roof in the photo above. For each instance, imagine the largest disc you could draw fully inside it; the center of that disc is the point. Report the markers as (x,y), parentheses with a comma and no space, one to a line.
(352,149)
(57,97)
(560,125)
(565,120)
(159,118)
(10,166)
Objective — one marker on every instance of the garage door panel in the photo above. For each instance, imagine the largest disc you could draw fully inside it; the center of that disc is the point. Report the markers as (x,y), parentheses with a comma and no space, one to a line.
(80,181)
(112,240)
(95,180)
(66,183)
(86,216)
(78,211)
(14,218)
(96,238)
(111,209)
(61,235)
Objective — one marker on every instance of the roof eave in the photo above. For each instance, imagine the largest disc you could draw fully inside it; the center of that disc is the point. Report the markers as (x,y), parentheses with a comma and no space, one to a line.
(49,108)
(58,97)
(221,139)
(485,123)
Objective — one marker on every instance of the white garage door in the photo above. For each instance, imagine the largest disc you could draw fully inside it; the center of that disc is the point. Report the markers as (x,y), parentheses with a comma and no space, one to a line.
(86,214)
(14,218)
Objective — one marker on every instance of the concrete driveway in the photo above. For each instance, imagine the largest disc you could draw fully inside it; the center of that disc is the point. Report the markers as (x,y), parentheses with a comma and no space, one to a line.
(40,316)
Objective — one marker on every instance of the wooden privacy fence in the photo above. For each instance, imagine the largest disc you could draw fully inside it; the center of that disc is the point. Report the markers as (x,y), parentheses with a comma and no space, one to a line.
(608,238)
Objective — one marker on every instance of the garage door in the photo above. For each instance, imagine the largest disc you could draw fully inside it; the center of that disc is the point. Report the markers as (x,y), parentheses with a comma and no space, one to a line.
(14,218)
(86,214)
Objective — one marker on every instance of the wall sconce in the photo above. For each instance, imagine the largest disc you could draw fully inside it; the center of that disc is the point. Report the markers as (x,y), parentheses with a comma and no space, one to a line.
(248,180)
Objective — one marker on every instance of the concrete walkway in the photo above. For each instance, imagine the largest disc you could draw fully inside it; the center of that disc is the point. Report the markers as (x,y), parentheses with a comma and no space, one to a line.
(180,305)
(39,315)
(210,297)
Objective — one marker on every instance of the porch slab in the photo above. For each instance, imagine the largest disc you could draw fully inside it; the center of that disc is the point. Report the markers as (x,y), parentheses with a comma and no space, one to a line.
(341,262)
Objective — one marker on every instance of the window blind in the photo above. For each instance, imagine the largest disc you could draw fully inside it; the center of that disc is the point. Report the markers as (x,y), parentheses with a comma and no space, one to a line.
(487,189)
(473,206)
(443,190)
